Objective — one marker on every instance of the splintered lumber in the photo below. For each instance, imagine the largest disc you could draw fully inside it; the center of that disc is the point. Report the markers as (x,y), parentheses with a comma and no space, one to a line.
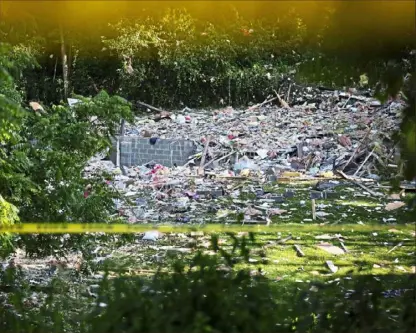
(204,155)
(359,184)
(261,104)
(408,185)
(343,247)
(281,100)
(253,222)
(357,149)
(328,247)
(220,159)
(35,288)
(331,266)
(395,247)
(313,209)
(150,107)
(284,240)
(299,251)
(364,162)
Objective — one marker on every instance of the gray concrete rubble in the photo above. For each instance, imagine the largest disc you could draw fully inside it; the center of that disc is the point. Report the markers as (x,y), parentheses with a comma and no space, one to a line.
(136,150)
(190,166)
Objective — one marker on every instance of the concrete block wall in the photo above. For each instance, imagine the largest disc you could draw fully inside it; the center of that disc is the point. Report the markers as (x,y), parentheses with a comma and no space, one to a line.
(138,150)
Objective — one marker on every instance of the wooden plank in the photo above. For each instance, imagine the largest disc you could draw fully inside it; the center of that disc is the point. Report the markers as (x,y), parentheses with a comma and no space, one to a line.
(204,155)
(343,247)
(331,266)
(313,209)
(299,251)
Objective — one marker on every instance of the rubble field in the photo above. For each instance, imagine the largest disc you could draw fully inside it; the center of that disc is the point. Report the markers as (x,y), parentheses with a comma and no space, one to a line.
(267,164)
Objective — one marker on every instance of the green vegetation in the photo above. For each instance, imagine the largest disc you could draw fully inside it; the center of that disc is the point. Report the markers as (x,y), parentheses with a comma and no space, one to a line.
(230,58)
(253,283)
(43,153)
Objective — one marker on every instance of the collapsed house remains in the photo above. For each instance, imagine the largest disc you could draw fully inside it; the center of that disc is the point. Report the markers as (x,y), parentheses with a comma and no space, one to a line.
(191,166)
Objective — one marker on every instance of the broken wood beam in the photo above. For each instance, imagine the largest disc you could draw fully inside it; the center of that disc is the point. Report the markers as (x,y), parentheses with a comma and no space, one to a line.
(364,162)
(281,101)
(331,266)
(284,240)
(299,251)
(356,149)
(204,155)
(220,159)
(323,195)
(261,104)
(359,184)
(343,247)
(313,209)
(150,107)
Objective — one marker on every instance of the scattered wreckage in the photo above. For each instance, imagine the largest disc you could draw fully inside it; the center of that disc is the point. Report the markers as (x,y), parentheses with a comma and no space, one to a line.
(243,155)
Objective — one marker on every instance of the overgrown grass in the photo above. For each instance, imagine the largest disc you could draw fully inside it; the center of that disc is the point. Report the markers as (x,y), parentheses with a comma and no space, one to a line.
(140,277)
(138,287)
(349,205)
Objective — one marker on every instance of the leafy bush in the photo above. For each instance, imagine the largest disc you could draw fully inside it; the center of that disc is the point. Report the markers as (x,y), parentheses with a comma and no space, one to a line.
(53,151)
(62,143)
(203,299)
(10,118)
(8,216)
(42,157)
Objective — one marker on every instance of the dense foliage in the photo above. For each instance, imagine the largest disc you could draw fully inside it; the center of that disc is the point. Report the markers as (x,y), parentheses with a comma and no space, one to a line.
(43,153)
(10,116)
(177,59)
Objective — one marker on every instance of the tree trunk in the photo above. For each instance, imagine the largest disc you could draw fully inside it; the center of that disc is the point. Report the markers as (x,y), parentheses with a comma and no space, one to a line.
(64,63)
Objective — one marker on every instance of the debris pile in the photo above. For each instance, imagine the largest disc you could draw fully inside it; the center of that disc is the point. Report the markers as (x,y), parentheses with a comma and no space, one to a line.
(243,154)
(339,130)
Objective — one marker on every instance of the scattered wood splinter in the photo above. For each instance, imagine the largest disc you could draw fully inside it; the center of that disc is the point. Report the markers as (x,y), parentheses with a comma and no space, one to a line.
(299,251)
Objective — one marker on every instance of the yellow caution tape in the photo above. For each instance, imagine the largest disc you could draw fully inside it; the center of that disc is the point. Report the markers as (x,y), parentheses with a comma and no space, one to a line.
(80,228)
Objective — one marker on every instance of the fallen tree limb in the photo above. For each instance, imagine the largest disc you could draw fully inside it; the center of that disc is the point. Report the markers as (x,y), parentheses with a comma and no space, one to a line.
(220,159)
(261,104)
(150,107)
(356,149)
(204,154)
(364,162)
(282,102)
(359,184)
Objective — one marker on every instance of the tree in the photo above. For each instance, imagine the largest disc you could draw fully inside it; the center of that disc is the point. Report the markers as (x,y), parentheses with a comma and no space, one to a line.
(10,116)
(42,157)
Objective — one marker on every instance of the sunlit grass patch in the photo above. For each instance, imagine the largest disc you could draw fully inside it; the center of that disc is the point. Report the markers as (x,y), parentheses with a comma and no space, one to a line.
(358,203)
